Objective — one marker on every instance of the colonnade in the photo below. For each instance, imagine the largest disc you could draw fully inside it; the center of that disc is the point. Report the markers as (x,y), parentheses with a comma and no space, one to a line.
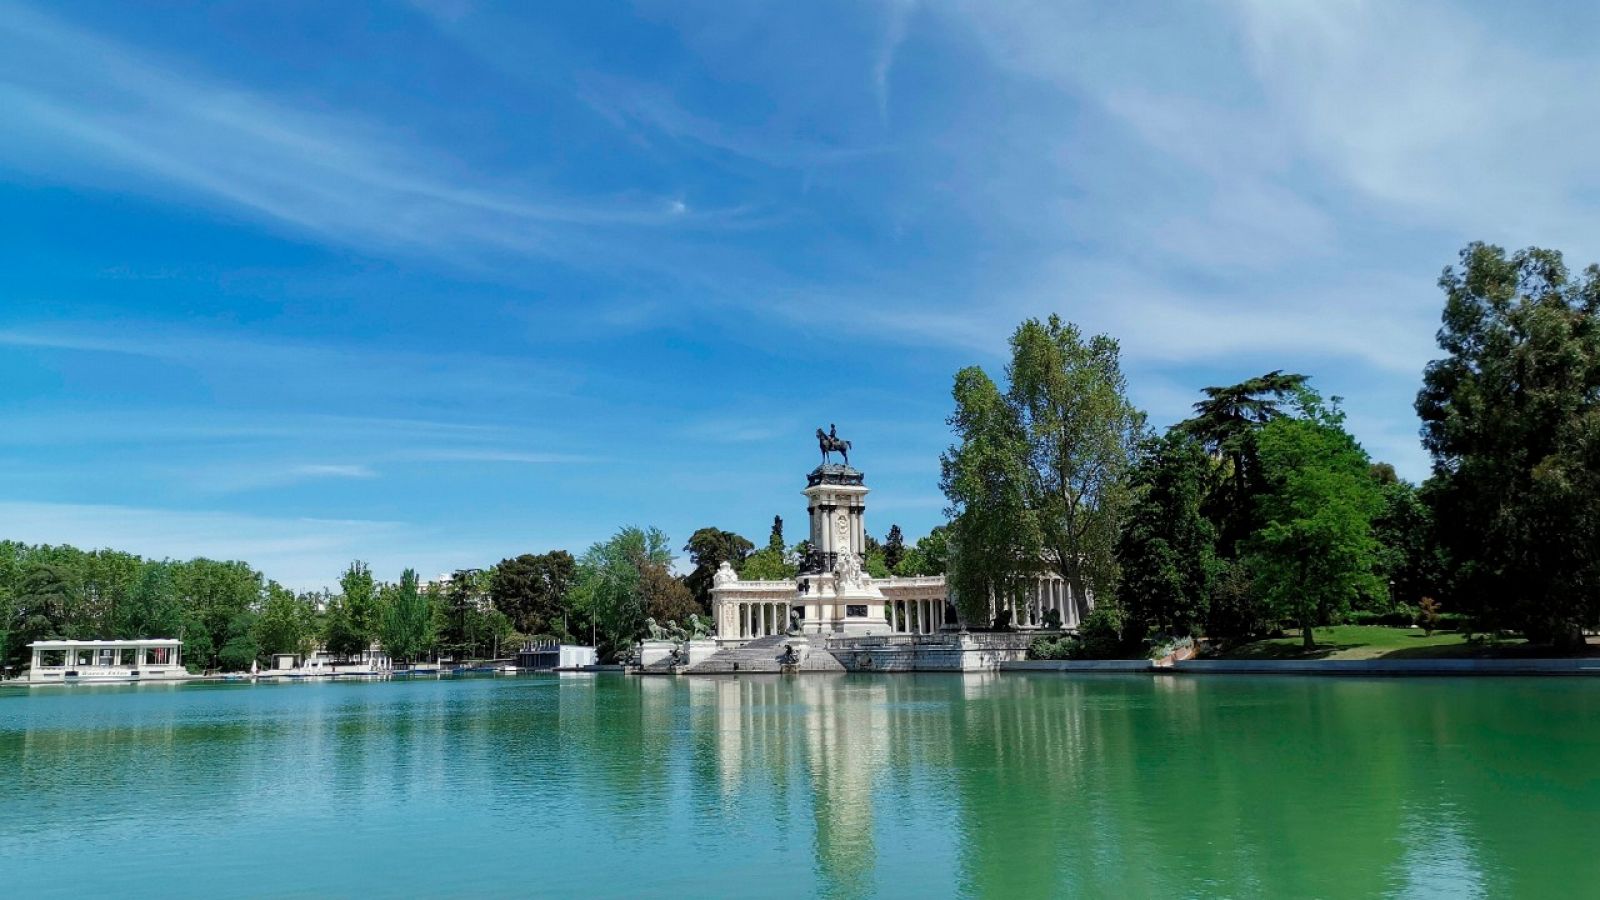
(760,618)
(1049,592)
(916,616)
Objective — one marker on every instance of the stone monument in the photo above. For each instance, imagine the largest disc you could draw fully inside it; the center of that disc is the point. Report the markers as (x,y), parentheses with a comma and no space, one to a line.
(835,594)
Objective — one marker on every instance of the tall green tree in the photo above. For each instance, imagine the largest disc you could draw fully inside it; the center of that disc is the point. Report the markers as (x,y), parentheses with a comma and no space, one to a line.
(610,584)
(218,597)
(1167,549)
(463,628)
(994,534)
(1040,476)
(1314,554)
(406,620)
(1227,422)
(360,593)
(1082,436)
(1511,416)
(894,547)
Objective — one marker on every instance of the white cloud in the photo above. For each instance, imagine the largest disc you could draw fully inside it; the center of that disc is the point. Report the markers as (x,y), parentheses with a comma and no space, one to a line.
(116,119)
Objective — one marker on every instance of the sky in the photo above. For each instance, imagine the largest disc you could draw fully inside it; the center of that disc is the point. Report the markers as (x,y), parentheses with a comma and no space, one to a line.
(435,283)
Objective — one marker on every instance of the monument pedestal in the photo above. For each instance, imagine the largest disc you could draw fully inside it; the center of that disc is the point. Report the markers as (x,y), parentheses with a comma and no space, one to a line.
(838,596)
(652,652)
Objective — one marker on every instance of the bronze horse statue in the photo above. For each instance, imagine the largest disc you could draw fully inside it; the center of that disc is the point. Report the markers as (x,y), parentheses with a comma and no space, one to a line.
(828,442)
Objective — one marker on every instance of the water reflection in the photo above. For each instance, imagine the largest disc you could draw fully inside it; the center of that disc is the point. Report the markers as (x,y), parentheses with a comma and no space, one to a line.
(980,785)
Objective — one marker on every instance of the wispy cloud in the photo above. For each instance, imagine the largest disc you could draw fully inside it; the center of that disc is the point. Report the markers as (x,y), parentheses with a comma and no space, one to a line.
(325,371)
(116,114)
(235,478)
(629,104)
(488,455)
(894,34)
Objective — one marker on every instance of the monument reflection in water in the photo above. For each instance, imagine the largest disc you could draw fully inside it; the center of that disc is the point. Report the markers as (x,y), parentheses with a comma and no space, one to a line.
(832,785)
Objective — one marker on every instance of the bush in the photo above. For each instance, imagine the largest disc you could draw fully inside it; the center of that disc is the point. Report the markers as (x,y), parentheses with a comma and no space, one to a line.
(1163,646)
(1099,637)
(1401,617)
(1428,614)
(1052,648)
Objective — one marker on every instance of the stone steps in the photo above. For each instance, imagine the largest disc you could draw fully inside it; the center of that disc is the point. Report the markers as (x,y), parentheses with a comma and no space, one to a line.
(764,655)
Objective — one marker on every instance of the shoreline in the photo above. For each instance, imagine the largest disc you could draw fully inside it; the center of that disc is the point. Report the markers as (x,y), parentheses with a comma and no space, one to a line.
(1388,668)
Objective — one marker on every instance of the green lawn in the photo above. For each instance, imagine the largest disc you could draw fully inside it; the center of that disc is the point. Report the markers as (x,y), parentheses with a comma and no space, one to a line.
(1377,642)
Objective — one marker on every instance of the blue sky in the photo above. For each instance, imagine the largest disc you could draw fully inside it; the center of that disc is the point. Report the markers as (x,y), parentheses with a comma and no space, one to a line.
(440,282)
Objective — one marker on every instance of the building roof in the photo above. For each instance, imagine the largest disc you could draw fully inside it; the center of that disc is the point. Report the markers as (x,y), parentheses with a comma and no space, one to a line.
(135,642)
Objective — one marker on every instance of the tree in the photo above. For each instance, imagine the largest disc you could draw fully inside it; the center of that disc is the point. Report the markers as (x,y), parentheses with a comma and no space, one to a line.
(1227,422)
(216,595)
(772,562)
(532,590)
(40,608)
(1082,437)
(462,628)
(993,533)
(609,583)
(152,608)
(1511,417)
(1314,554)
(286,622)
(709,548)
(894,547)
(1167,550)
(360,607)
(767,565)
(106,580)
(406,619)
(239,647)
(1409,556)
(339,635)
(666,599)
(928,556)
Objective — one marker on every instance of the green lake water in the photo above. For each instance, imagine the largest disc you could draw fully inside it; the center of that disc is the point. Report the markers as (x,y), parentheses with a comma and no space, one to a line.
(902,785)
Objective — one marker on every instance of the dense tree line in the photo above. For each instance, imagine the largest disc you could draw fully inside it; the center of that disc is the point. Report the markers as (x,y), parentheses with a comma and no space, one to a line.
(229,615)
(1261,511)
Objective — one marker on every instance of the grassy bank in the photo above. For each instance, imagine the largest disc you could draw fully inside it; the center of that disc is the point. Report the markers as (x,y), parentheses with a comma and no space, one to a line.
(1380,642)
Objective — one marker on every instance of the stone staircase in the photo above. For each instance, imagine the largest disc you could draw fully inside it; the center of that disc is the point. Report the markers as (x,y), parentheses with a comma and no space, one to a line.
(763,655)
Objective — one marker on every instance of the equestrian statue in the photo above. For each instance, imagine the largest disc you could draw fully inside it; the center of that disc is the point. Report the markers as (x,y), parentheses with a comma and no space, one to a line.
(828,442)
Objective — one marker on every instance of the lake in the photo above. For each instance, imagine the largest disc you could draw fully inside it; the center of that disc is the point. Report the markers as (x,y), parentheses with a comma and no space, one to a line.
(852,785)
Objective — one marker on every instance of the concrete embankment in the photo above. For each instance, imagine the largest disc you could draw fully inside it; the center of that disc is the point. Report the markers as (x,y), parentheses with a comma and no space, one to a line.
(1080,665)
(1367,668)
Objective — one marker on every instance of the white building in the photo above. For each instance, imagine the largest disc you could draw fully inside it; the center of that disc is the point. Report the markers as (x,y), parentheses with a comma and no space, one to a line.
(75,662)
